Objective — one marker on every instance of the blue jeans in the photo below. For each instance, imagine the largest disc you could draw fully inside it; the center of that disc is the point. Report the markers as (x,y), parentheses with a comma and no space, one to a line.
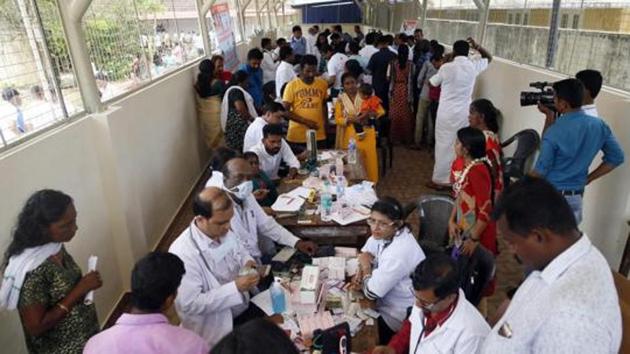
(575,202)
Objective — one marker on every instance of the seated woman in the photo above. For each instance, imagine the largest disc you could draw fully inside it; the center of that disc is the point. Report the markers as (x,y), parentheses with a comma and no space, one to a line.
(484,116)
(237,111)
(210,91)
(265,190)
(42,280)
(389,256)
(470,223)
(347,113)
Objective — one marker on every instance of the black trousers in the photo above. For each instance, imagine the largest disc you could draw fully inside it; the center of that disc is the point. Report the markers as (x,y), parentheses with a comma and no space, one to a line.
(385,333)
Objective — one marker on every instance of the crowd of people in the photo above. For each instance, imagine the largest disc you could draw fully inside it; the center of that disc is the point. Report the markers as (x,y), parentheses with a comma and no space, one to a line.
(566,303)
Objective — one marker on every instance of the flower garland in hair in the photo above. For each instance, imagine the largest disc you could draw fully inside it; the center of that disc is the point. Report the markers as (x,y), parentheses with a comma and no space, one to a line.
(459,183)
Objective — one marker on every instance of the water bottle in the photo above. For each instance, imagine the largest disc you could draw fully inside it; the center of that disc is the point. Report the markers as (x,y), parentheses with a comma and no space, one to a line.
(278,301)
(352,151)
(326,202)
(339,167)
(341,186)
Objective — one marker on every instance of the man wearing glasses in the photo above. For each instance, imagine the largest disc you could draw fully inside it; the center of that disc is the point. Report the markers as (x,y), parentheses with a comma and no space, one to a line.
(441,320)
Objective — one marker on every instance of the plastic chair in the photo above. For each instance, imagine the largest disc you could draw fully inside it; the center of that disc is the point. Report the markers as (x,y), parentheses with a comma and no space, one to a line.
(434,212)
(527,142)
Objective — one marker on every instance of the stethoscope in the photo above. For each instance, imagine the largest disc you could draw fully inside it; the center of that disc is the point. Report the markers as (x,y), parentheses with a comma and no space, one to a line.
(424,326)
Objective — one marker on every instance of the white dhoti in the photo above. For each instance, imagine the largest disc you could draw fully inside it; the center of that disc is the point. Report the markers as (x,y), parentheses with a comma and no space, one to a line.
(447,124)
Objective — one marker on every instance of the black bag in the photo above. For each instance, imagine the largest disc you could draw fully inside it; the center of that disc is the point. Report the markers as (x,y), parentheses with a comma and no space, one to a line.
(475,273)
(334,340)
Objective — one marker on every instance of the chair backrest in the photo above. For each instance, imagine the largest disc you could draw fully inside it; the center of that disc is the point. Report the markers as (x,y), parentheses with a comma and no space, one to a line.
(527,142)
(434,211)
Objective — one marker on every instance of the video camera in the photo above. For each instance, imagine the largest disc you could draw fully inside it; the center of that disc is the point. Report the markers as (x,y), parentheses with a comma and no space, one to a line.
(544,96)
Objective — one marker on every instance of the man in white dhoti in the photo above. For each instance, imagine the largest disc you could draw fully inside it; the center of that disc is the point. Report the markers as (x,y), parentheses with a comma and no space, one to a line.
(457,80)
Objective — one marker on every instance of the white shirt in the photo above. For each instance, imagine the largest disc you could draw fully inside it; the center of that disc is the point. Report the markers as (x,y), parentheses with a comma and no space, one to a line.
(270,164)
(367,52)
(207,298)
(591,110)
(254,133)
(390,281)
(268,67)
(284,74)
(335,68)
(462,333)
(571,306)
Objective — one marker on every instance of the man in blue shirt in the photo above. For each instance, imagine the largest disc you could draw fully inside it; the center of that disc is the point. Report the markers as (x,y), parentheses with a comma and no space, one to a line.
(255,81)
(570,143)
(298,43)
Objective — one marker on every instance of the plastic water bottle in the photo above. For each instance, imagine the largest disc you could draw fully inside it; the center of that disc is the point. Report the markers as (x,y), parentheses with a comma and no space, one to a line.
(278,301)
(341,186)
(326,202)
(352,151)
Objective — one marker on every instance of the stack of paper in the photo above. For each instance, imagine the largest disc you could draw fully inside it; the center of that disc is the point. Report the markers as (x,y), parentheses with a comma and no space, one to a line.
(349,215)
(309,323)
(287,204)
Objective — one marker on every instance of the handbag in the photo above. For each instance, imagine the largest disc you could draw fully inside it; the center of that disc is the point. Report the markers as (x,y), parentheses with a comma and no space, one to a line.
(334,340)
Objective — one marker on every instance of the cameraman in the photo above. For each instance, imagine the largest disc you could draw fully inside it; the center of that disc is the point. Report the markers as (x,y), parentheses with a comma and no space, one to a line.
(570,143)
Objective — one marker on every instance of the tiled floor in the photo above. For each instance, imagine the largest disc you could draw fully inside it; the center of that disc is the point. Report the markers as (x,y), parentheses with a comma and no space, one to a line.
(405,182)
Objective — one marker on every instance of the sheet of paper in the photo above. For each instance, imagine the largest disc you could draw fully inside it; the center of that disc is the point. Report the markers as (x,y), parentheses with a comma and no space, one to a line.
(287,203)
(284,255)
(349,215)
(302,192)
(263,301)
(92,261)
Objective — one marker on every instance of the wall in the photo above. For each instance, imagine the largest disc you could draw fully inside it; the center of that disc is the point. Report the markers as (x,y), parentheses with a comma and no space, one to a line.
(606,201)
(128,169)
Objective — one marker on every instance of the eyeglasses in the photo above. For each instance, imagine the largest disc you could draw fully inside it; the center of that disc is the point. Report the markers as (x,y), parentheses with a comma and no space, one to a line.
(377,223)
(429,306)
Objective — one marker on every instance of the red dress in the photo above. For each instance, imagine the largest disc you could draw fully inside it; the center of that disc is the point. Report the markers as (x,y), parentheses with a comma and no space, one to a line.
(474,204)
(400,113)
(494,154)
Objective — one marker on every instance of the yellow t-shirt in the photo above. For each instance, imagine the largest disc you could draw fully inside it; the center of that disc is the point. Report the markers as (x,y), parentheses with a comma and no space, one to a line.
(307,102)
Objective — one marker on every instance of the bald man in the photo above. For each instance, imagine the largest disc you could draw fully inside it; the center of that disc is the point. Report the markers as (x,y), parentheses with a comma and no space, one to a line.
(212,293)
(250,223)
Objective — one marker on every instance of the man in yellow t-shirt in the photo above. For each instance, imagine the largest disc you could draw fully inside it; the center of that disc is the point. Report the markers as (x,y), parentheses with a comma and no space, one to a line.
(305,100)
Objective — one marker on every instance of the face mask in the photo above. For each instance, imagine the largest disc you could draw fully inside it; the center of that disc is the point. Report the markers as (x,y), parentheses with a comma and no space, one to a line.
(243,190)
(219,253)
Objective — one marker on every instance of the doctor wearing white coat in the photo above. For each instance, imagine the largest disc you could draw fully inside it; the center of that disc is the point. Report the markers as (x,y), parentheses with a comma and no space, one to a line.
(457,80)
(212,293)
(386,263)
(441,320)
(250,224)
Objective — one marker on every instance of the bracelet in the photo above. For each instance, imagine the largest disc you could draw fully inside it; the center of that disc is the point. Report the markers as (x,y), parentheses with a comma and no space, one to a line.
(63,307)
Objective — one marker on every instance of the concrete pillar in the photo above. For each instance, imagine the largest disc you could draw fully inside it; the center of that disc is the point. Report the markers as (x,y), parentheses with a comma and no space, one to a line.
(71,14)
(203,6)
(552,44)
(423,17)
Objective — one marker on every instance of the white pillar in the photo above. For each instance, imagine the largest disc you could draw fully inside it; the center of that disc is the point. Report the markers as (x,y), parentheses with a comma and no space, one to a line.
(71,14)
(203,6)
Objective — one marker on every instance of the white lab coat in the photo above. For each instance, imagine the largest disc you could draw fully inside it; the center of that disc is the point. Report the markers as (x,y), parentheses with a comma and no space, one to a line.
(250,223)
(268,66)
(462,333)
(390,282)
(254,133)
(270,164)
(208,300)
(457,80)
(336,67)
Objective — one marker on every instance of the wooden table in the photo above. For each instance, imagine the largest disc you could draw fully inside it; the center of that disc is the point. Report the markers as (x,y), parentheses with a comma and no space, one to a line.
(322,232)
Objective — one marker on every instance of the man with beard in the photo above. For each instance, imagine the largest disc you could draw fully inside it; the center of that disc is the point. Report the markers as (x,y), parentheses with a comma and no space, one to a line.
(272,150)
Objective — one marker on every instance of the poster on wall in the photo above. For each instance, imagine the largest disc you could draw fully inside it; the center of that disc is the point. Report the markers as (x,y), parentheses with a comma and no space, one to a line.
(408,26)
(223,28)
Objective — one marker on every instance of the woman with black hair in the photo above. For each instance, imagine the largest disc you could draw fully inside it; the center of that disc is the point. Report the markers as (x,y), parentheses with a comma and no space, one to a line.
(42,280)
(385,262)
(470,220)
(485,117)
(401,97)
(209,94)
(237,111)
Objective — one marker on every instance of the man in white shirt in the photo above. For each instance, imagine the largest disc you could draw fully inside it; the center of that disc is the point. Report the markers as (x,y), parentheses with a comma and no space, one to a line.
(457,80)
(272,150)
(369,49)
(280,42)
(274,113)
(251,225)
(212,293)
(285,71)
(568,303)
(441,317)
(268,64)
(335,66)
(311,40)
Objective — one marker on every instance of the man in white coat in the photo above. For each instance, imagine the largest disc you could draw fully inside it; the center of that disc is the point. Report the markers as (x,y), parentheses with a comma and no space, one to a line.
(457,80)
(442,320)
(251,225)
(212,294)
